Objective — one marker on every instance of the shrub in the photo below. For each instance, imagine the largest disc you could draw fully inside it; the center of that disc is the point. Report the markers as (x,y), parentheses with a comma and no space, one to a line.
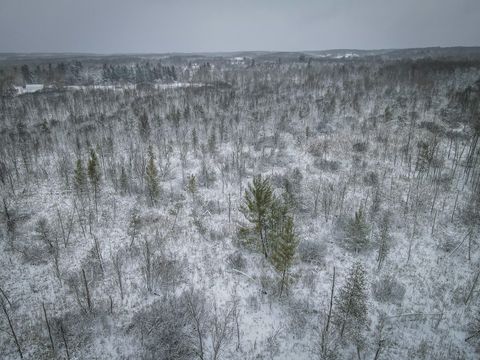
(165,330)
(316,149)
(360,147)
(357,233)
(370,179)
(327,165)
(237,261)
(388,290)
(312,251)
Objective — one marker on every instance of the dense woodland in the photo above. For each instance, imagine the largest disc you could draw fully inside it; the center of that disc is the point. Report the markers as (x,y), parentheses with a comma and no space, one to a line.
(284,208)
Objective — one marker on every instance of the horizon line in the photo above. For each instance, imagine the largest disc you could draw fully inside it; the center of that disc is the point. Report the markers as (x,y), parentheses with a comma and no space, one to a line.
(228,51)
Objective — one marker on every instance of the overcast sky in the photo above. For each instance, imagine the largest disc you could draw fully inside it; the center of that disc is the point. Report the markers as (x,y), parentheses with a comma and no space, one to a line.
(112,26)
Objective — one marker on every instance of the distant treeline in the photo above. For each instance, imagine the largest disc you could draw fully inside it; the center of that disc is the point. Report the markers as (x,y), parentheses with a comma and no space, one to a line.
(78,73)
(369,72)
(60,73)
(139,73)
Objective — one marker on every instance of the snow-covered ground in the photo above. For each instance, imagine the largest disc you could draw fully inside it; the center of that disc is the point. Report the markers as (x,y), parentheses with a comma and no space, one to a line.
(338,138)
(31,88)
(28,88)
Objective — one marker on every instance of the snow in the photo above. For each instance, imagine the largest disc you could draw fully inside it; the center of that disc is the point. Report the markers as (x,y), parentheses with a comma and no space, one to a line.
(346,56)
(196,234)
(29,88)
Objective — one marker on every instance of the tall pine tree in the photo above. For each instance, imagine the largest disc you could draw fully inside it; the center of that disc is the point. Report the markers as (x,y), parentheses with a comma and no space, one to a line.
(256,209)
(383,240)
(358,232)
(153,186)
(94,175)
(194,140)
(284,251)
(79,178)
(144,126)
(124,186)
(351,304)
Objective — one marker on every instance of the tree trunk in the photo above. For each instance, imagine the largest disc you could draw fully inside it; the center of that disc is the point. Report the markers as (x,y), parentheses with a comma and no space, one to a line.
(64,341)
(89,302)
(48,327)
(283,281)
(472,288)
(11,328)
(329,316)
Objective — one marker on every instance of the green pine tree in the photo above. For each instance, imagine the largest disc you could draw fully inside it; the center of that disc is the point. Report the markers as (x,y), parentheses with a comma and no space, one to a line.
(212,143)
(152,177)
(387,114)
(79,178)
(134,225)
(94,175)
(194,140)
(277,215)
(384,240)
(284,251)
(289,196)
(256,209)
(123,181)
(144,126)
(351,304)
(358,232)
(192,184)
(93,168)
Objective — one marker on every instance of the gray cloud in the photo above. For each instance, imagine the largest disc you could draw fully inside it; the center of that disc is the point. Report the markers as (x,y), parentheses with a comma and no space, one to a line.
(109,26)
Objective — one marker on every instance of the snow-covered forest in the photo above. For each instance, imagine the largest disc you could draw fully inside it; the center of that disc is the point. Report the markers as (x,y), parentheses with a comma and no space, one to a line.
(240,206)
